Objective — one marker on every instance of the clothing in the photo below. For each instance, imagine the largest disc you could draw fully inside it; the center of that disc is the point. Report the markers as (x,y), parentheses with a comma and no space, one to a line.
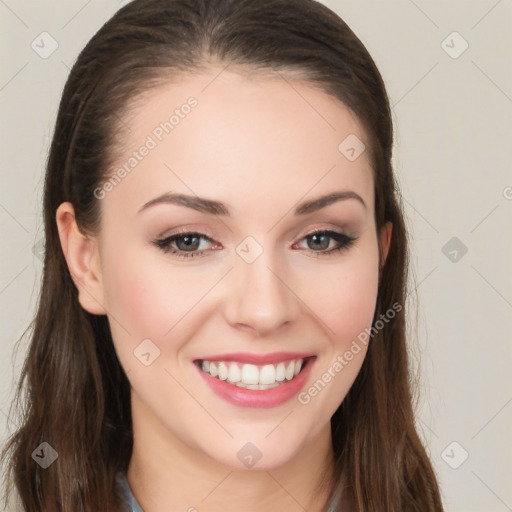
(129,502)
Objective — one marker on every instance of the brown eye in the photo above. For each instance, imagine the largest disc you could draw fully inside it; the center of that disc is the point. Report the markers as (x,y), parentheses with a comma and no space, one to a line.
(319,241)
(190,243)
(183,245)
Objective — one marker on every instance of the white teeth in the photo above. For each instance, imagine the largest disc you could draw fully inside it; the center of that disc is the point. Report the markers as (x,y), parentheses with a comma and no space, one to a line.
(251,376)
(234,374)
(223,371)
(290,370)
(268,374)
(280,372)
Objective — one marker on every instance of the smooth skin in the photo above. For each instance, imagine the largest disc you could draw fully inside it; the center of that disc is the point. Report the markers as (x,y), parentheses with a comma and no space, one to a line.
(261,145)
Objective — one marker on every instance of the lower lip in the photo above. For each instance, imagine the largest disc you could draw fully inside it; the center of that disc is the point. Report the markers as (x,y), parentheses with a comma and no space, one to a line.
(260,399)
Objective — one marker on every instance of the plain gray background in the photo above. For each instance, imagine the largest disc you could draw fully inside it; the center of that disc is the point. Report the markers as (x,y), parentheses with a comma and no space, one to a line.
(452,109)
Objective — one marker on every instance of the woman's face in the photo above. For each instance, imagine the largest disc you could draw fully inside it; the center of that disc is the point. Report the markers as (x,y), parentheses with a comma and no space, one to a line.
(251,279)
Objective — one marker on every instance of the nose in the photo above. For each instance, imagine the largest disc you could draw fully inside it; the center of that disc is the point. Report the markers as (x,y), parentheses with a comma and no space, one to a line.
(259,297)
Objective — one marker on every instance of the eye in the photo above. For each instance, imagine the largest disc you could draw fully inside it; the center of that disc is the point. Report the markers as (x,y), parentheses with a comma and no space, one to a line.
(188,244)
(319,242)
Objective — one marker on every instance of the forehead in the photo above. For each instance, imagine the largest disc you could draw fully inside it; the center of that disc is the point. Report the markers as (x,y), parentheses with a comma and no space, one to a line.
(237,137)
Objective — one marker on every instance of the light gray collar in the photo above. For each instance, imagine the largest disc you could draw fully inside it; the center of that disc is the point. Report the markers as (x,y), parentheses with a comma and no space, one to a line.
(125,492)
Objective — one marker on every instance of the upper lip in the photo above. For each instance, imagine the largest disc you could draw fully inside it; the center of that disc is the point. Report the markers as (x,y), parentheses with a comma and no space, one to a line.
(257,359)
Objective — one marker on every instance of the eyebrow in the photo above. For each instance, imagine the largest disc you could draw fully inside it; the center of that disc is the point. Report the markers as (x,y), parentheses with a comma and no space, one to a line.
(218,208)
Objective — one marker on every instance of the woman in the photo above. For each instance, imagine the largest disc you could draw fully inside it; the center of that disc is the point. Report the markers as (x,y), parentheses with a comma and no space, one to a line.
(222,321)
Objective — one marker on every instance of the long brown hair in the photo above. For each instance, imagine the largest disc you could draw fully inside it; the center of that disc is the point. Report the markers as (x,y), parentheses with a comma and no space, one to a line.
(73,393)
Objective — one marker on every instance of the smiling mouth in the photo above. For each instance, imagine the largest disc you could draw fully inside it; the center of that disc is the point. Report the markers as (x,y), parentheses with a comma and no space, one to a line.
(251,376)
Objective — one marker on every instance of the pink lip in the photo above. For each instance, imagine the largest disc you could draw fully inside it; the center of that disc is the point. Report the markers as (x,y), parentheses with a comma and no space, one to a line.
(258,359)
(262,399)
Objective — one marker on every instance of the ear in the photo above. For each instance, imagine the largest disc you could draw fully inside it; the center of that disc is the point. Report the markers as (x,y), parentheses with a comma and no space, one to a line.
(82,258)
(384,242)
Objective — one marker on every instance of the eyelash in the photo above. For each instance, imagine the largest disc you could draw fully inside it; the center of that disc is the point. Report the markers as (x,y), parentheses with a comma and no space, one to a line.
(343,240)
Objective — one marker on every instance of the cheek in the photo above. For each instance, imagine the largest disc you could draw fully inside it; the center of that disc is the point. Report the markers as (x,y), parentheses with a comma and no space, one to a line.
(139,302)
(147,299)
(134,297)
(351,305)
(346,308)
(343,295)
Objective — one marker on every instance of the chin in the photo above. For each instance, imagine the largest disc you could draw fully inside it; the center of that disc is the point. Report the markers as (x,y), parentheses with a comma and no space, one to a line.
(258,452)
